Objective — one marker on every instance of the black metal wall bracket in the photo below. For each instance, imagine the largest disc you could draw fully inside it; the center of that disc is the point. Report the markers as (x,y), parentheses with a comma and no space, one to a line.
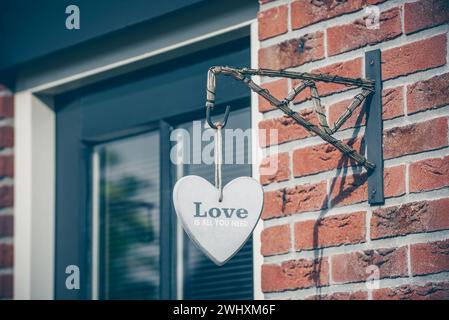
(371,94)
(374,128)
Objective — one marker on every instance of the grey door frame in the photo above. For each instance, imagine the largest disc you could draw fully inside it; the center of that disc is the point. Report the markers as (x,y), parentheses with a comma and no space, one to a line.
(35,137)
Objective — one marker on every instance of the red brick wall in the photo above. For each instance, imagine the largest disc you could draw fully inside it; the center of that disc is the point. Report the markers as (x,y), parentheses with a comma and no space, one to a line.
(320,236)
(6,192)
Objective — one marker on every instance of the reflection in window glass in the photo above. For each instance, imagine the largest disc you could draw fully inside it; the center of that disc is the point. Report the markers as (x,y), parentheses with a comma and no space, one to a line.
(129,218)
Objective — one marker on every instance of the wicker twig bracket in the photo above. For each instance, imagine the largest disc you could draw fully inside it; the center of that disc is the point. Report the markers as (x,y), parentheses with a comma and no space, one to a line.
(307,81)
(371,92)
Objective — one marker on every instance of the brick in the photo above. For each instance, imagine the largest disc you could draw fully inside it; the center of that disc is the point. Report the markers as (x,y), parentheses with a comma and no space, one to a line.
(394,181)
(6,166)
(392,103)
(6,106)
(275,240)
(417,56)
(425,14)
(307,197)
(273,204)
(358,295)
(265,1)
(295,274)
(272,22)
(6,255)
(293,53)
(355,35)
(301,198)
(323,157)
(429,174)
(430,257)
(429,291)
(392,107)
(6,286)
(6,196)
(6,225)
(354,189)
(349,68)
(415,138)
(278,88)
(357,118)
(330,231)
(349,190)
(414,217)
(6,137)
(353,267)
(284,129)
(428,94)
(305,13)
(275,168)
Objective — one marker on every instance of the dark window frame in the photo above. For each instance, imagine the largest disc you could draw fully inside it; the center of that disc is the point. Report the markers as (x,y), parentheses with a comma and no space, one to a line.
(81,124)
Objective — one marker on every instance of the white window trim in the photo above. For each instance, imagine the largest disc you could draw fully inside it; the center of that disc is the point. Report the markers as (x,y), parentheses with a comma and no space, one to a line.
(34,197)
(34,176)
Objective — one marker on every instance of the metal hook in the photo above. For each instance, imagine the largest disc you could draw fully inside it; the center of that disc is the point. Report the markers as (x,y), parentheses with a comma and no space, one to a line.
(209,119)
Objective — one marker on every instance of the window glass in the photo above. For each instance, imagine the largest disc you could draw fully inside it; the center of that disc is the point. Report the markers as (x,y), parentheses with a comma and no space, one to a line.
(203,279)
(129,218)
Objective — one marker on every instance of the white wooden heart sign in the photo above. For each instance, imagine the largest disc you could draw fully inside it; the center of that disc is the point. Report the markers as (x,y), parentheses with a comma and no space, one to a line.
(219,229)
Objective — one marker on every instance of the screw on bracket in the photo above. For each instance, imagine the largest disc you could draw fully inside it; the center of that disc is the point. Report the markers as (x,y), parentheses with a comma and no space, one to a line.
(373,193)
